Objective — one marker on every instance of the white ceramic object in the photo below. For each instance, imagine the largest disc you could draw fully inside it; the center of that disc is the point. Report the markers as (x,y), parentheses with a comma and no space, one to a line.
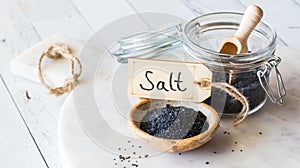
(55,71)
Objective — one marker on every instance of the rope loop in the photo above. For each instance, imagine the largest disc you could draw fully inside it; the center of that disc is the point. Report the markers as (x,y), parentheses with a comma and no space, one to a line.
(57,51)
(233,92)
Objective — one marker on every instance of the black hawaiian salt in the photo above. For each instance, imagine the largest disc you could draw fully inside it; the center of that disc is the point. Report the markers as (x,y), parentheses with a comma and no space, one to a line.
(246,82)
(174,122)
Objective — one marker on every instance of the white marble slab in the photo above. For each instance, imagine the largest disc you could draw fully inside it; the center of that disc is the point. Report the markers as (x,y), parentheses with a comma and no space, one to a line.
(268,138)
(55,71)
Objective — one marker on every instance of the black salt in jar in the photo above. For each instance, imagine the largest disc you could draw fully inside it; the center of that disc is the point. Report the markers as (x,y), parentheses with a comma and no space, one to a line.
(248,72)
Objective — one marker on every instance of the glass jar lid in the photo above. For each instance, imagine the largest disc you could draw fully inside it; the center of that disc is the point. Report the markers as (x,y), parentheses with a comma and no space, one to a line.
(148,44)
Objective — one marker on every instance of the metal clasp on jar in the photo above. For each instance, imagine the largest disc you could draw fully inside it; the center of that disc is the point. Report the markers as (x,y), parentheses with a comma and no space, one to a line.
(262,76)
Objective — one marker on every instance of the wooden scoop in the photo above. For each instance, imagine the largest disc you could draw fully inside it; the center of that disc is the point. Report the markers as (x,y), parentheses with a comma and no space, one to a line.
(237,43)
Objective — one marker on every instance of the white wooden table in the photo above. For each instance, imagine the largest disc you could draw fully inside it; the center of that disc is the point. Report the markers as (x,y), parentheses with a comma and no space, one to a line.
(29,115)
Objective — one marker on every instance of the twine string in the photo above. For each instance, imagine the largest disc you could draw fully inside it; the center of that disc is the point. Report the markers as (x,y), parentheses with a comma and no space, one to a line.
(56,51)
(233,92)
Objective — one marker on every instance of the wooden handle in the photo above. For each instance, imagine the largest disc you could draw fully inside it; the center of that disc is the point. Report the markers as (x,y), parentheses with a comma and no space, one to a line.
(252,16)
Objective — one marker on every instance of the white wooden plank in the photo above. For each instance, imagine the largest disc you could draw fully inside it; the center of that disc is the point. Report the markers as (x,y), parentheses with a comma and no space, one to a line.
(16,33)
(57,17)
(297,2)
(204,6)
(282,16)
(71,26)
(40,111)
(101,12)
(290,35)
(278,13)
(37,10)
(174,7)
(17,147)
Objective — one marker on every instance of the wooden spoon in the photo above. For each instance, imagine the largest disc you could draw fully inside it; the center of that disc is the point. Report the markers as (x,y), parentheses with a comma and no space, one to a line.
(237,43)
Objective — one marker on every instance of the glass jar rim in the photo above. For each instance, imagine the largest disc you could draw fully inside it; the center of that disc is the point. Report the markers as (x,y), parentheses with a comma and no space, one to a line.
(244,55)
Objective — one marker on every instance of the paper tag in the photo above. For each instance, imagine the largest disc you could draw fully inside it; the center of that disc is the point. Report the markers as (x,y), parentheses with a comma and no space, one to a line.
(168,80)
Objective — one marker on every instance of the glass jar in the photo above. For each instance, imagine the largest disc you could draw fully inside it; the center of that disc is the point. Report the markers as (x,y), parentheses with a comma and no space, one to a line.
(201,39)
(248,72)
